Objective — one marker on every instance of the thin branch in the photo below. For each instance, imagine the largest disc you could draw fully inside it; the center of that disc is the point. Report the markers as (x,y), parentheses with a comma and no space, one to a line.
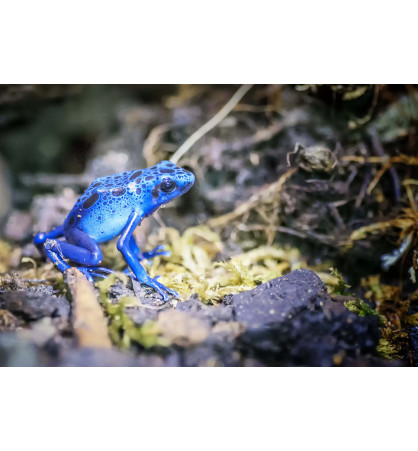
(213,122)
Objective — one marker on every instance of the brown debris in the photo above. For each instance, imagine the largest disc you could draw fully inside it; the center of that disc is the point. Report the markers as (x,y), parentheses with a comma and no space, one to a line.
(88,319)
(181,328)
(8,321)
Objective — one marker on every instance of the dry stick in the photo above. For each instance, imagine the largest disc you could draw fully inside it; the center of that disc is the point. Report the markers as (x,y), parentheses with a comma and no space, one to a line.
(405,159)
(213,122)
(377,145)
(89,322)
(254,200)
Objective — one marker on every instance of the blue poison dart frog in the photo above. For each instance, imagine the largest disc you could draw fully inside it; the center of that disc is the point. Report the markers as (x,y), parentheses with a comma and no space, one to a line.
(113,206)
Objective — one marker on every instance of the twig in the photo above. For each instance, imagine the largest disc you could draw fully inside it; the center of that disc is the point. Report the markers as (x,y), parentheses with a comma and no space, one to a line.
(88,320)
(364,186)
(330,241)
(377,146)
(213,122)
(265,192)
(401,158)
(262,135)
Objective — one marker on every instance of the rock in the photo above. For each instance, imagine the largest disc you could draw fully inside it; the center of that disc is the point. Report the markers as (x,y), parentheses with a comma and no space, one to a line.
(85,357)
(17,352)
(197,309)
(33,305)
(18,226)
(40,332)
(292,321)
(191,306)
(228,329)
(279,299)
(413,336)
(182,329)
(214,351)
(8,321)
(141,314)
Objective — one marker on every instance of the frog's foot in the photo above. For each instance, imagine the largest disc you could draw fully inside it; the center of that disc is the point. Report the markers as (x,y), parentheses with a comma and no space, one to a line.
(99,269)
(162,289)
(86,272)
(159,287)
(159,250)
(95,271)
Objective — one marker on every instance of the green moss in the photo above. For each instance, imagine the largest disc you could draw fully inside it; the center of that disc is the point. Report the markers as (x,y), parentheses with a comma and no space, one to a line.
(341,287)
(122,329)
(392,343)
(386,349)
(362,308)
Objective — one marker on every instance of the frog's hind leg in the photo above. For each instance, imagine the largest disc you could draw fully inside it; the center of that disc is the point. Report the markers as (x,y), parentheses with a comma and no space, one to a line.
(54,254)
(80,248)
(40,238)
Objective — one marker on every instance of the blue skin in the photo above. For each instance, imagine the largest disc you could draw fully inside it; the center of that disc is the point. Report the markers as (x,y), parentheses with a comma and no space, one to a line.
(113,206)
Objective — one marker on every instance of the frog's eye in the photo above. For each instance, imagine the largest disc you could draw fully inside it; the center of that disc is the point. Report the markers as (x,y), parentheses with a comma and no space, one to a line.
(168,186)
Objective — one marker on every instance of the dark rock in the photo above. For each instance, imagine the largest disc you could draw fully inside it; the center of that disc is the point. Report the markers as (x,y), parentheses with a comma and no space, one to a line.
(33,305)
(141,314)
(8,321)
(85,357)
(293,321)
(191,306)
(213,313)
(279,299)
(413,336)
(17,352)
(215,351)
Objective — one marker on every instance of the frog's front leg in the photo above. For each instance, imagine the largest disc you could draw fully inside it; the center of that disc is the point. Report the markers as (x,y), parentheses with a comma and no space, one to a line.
(124,246)
(159,250)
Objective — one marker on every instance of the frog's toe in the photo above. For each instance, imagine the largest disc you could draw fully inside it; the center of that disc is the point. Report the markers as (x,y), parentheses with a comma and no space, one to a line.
(101,269)
(173,293)
(98,274)
(96,271)
(159,250)
(163,290)
(86,272)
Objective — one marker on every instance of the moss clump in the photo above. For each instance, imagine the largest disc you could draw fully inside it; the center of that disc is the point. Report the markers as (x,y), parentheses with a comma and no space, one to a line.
(195,267)
(122,329)
(341,287)
(361,308)
(392,343)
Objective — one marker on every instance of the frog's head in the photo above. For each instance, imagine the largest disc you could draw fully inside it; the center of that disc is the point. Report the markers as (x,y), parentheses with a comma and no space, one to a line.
(165,182)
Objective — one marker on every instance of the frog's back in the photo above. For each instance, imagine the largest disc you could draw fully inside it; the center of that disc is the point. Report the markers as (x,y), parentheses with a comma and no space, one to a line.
(104,208)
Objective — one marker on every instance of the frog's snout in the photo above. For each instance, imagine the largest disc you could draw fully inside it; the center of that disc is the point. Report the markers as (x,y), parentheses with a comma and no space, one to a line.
(189,183)
(191,179)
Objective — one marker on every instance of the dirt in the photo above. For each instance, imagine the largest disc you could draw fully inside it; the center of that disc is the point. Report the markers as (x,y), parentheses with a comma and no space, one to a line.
(288,321)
